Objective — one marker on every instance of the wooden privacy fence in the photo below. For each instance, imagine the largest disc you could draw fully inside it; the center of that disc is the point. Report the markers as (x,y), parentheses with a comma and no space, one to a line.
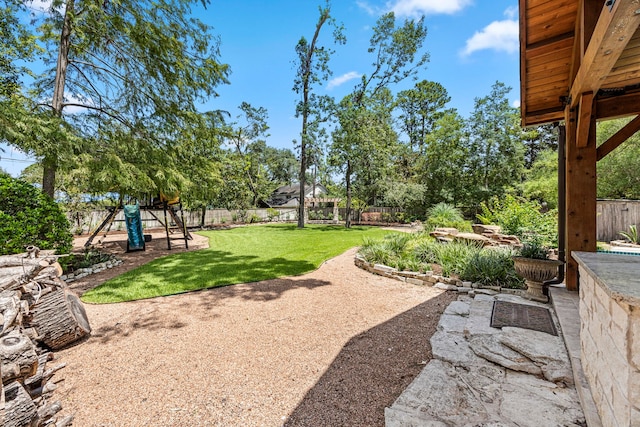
(86,222)
(614,216)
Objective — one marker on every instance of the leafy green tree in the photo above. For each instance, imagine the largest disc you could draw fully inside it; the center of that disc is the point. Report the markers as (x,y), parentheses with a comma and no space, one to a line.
(541,180)
(365,133)
(142,64)
(420,108)
(28,217)
(244,135)
(538,139)
(312,69)
(496,151)
(361,147)
(619,171)
(444,167)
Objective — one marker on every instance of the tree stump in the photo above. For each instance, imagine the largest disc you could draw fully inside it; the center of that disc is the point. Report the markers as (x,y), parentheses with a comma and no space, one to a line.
(19,409)
(60,319)
(18,356)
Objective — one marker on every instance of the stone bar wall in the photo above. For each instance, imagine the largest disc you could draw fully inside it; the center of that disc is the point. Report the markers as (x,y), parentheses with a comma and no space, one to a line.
(610,338)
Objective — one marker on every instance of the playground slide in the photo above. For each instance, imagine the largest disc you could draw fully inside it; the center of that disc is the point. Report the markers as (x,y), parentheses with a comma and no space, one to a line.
(135,241)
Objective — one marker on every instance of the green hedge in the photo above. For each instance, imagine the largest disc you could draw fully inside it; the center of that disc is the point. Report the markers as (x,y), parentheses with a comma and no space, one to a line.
(29,217)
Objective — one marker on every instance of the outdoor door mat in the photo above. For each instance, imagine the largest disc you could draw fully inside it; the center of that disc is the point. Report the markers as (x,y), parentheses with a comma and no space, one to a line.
(522,316)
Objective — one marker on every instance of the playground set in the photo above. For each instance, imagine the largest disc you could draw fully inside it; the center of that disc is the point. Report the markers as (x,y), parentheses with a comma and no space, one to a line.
(173,222)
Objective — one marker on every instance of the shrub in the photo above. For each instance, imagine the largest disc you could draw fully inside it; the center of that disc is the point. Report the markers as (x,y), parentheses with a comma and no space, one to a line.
(453,257)
(29,217)
(446,215)
(519,217)
(492,267)
(272,213)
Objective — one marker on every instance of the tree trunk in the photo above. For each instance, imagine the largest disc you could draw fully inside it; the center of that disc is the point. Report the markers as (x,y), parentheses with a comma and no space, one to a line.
(303,172)
(50,162)
(202,217)
(347,222)
(20,411)
(60,319)
(18,357)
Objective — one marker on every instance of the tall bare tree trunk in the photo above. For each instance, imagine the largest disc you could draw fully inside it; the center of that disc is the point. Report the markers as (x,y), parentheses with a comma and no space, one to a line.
(347,222)
(50,163)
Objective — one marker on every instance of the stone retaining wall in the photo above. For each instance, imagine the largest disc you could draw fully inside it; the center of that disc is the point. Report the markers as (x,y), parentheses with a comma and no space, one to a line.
(431,279)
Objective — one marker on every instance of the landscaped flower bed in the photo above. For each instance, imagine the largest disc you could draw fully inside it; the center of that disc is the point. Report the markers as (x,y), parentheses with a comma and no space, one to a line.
(418,258)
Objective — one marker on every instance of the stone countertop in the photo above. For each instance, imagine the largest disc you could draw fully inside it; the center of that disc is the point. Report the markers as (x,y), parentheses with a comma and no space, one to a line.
(618,275)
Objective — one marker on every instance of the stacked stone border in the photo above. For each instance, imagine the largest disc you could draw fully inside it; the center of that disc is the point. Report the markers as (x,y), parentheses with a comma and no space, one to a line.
(431,279)
(95,268)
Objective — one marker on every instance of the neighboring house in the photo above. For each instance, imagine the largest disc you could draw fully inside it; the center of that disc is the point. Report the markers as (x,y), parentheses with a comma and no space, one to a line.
(288,196)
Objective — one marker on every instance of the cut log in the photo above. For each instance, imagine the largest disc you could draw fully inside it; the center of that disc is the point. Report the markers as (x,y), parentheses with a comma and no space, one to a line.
(20,410)
(9,307)
(60,319)
(18,260)
(65,422)
(18,356)
(49,410)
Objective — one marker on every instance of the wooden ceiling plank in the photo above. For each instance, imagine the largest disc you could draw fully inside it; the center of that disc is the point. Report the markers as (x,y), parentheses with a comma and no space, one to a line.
(612,33)
(584,119)
(618,138)
(550,48)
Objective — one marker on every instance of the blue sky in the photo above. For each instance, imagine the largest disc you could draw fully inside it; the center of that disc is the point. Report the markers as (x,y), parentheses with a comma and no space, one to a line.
(472,44)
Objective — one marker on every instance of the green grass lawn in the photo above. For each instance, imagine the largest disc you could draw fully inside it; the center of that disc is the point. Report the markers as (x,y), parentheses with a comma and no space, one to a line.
(238,255)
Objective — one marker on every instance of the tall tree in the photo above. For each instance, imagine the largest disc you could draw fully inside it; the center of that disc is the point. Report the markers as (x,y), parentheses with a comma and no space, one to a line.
(245,137)
(312,68)
(420,108)
(444,167)
(144,64)
(361,146)
(497,152)
(397,57)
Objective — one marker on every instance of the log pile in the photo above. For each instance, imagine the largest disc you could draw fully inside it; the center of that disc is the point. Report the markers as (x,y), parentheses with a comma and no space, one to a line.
(38,314)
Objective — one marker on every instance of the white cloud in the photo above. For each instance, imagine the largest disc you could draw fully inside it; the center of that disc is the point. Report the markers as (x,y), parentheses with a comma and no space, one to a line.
(77,99)
(498,35)
(343,79)
(516,103)
(367,7)
(414,8)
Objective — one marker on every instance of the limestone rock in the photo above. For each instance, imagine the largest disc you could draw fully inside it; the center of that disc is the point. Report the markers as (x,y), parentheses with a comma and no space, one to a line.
(490,348)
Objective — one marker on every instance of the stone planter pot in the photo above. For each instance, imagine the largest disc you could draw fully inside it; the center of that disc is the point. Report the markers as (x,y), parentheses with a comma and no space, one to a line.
(535,272)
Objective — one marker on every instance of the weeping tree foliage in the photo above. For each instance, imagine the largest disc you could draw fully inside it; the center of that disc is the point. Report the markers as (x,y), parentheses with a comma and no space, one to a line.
(312,64)
(135,68)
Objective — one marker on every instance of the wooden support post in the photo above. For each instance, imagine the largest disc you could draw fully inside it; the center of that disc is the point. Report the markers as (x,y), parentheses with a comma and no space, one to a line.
(581,194)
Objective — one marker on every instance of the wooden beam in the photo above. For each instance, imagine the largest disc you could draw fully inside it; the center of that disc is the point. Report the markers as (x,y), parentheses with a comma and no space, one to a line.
(580,210)
(584,119)
(618,106)
(611,35)
(618,138)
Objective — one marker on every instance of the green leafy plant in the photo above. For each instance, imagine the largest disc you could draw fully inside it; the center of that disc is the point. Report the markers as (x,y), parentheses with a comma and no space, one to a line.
(446,215)
(533,247)
(632,235)
(28,217)
(519,217)
(492,267)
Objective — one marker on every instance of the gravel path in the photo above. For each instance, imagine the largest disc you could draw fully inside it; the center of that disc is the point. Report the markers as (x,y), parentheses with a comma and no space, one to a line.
(330,348)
